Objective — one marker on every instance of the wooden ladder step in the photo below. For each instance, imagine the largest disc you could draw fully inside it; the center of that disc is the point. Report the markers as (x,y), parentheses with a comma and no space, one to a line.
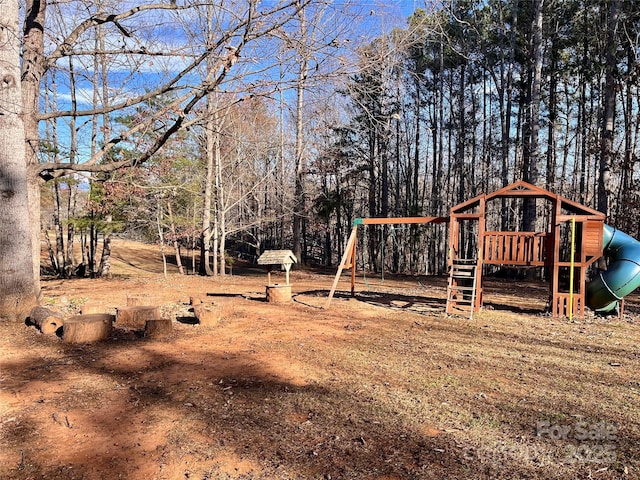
(468,276)
(466,308)
(464,267)
(463,270)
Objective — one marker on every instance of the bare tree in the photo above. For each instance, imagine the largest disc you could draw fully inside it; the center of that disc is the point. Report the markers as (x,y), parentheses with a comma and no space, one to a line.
(609,101)
(303,49)
(241,28)
(17,293)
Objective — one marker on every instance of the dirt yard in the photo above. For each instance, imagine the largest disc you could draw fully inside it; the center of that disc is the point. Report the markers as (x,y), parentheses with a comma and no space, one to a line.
(383,386)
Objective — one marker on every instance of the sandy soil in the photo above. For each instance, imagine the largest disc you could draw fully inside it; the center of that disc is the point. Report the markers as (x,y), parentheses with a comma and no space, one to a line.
(383,386)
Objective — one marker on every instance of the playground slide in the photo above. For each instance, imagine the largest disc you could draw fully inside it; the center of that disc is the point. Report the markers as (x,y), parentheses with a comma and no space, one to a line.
(623,275)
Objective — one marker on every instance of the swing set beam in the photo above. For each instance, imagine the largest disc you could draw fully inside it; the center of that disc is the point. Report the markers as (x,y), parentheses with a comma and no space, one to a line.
(399,220)
(349,256)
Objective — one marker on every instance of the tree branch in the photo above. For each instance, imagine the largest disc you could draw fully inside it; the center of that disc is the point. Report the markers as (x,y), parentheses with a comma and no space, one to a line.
(209,84)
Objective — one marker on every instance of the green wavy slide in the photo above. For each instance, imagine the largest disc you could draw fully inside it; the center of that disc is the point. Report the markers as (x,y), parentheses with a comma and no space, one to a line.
(623,275)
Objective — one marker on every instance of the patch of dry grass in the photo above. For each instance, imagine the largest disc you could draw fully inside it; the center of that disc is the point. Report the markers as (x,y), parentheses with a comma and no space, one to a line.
(380,387)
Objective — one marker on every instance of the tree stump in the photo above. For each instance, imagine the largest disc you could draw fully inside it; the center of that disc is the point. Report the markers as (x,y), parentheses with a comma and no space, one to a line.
(47,321)
(140,300)
(195,300)
(136,317)
(87,328)
(278,293)
(158,328)
(208,315)
(88,309)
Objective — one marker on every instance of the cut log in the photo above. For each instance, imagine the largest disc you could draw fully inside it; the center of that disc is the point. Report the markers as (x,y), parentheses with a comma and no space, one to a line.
(157,328)
(47,321)
(278,293)
(136,317)
(140,300)
(87,328)
(208,314)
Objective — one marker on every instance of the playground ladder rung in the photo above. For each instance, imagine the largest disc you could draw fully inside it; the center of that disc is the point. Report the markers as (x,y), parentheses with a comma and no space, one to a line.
(462,269)
(463,307)
(463,302)
(465,261)
(463,274)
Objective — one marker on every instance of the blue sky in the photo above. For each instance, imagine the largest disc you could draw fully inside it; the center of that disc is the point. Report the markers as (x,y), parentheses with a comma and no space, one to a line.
(375,17)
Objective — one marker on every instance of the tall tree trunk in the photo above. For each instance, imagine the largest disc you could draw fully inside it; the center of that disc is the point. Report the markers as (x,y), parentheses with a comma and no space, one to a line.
(553,109)
(18,291)
(159,216)
(93,245)
(176,244)
(439,130)
(221,212)
(461,134)
(531,159)
(506,121)
(211,106)
(73,153)
(205,237)
(222,247)
(299,190)
(372,198)
(383,152)
(218,211)
(416,152)
(105,258)
(626,182)
(582,125)
(609,101)
(32,71)
(59,226)
(100,65)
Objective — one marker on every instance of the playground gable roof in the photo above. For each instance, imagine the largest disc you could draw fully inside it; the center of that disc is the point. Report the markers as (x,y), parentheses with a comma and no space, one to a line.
(522,189)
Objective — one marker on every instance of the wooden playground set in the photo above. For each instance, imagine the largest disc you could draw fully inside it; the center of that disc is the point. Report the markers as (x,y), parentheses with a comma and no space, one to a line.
(571,238)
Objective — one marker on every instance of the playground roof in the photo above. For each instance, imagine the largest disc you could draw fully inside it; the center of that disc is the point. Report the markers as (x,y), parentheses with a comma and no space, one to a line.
(522,189)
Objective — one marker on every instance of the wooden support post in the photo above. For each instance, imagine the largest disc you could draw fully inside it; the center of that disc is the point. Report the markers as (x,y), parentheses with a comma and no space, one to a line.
(555,252)
(353,268)
(345,256)
(287,267)
(481,235)
(572,266)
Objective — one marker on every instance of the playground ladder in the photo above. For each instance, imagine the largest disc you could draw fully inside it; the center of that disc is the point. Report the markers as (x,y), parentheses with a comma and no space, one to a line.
(461,291)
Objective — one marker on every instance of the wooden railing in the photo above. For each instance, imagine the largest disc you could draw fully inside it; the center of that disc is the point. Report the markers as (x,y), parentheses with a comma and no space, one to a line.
(516,248)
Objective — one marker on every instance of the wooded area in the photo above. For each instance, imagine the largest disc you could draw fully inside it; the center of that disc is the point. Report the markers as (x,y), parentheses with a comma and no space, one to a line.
(241,126)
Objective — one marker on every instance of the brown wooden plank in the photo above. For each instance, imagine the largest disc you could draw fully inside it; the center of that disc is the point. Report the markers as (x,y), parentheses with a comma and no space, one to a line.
(348,251)
(488,248)
(403,220)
